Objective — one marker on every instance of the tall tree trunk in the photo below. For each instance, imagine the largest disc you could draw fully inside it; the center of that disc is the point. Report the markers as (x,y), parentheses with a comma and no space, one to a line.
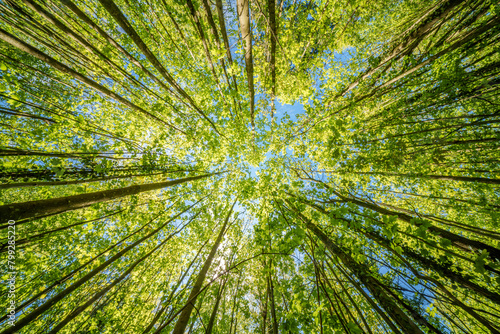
(222,25)
(107,288)
(459,241)
(169,298)
(17,43)
(426,262)
(34,238)
(52,301)
(183,320)
(271,8)
(82,16)
(416,33)
(270,288)
(116,13)
(234,307)
(246,34)
(362,272)
(211,322)
(64,183)
(437,177)
(45,207)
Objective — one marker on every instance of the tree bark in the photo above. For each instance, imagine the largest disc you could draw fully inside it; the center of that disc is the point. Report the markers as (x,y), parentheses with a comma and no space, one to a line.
(116,13)
(271,299)
(169,298)
(183,320)
(459,241)
(426,262)
(272,64)
(82,16)
(418,31)
(52,301)
(107,288)
(211,322)
(17,43)
(65,183)
(246,35)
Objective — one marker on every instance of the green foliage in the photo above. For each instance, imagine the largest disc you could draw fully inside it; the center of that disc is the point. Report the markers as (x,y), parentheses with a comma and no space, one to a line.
(366,194)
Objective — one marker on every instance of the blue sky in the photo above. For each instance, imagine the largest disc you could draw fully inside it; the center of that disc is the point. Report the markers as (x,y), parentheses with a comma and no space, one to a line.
(281,111)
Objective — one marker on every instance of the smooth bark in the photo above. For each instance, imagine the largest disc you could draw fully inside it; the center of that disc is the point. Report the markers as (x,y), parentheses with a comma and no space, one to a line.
(183,320)
(53,206)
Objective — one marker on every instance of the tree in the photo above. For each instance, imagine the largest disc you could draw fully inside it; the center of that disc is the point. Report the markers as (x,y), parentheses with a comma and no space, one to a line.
(155,180)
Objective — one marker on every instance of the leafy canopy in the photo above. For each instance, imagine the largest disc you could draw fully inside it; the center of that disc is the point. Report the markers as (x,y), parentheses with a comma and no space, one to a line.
(250,166)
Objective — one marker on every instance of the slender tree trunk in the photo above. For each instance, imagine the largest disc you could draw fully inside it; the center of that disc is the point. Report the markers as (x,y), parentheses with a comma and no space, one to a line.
(213,316)
(246,34)
(222,25)
(211,21)
(79,39)
(264,312)
(417,32)
(459,241)
(271,8)
(234,307)
(353,303)
(183,320)
(437,177)
(116,13)
(16,42)
(13,112)
(52,301)
(362,272)
(169,298)
(178,29)
(104,290)
(215,33)
(465,39)
(273,306)
(65,183)
(426,262)
(379,311)
(45,207)
(81,15)
(34,238)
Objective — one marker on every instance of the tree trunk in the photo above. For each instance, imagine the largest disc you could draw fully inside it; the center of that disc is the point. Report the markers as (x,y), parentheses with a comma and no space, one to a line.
(273,306)
(211,323)
(82,16)
(362,272)
(116,13)
(272,64)
(438,177)
(183,320)
(107,288)
(53,206)
(52,301)
(65,183)
(17,43)
(169,298)
(426,262)
(457,240)
(246,35)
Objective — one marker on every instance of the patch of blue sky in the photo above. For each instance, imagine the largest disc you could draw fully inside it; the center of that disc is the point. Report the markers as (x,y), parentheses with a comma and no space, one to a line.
(292,111)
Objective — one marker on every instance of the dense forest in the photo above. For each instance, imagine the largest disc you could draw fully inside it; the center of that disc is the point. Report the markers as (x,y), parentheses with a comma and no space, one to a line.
(250,166)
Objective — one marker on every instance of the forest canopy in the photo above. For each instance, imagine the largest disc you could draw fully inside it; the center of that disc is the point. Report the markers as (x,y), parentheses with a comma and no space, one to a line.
(288,166)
